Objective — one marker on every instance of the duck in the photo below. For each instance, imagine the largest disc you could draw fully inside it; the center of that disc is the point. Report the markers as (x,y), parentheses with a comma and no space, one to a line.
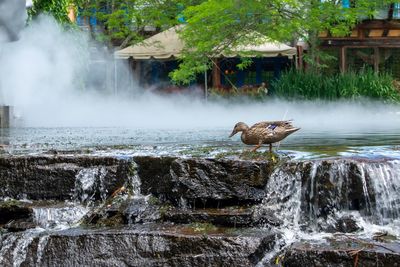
(265,132)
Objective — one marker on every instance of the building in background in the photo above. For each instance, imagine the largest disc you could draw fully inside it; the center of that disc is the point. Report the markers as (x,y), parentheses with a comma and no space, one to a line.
(154,58)
(373,43)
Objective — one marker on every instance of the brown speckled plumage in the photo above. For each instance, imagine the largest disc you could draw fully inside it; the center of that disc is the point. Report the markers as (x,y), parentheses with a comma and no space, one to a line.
(265,132)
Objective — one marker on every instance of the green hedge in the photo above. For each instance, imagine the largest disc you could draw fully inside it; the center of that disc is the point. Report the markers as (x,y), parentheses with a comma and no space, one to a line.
(304,85)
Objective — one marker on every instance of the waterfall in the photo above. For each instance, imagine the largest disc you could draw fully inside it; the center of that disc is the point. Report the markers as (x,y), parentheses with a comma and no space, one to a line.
(43,240)
(21,249)
(385,182)
(312,199)
(88,183)
(284,200)
(7,243)
(139,209)
(58,217)
(313,196)
(16,246)
(134,182)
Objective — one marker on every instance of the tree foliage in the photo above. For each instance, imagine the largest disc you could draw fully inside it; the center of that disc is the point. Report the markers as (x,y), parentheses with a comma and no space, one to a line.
(123,22)
(216,26)
(56,8)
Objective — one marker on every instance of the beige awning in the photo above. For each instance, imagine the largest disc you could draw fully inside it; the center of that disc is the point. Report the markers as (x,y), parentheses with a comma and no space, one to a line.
(266,49)
(167,44)
(163,45)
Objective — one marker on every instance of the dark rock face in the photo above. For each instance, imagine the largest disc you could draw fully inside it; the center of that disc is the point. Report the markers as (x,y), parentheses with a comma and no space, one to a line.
(172,247)
(14,210)
(16,216)
(228,181)
(340,253)
(221,217)
(55,177)
(155,175)
(19,225)
(220,179)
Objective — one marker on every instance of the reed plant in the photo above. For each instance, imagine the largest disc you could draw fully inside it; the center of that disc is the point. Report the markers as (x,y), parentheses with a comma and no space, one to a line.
(351,85)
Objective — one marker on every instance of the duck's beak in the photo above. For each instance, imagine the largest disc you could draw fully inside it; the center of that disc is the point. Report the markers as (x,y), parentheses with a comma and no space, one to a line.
(233,133)
(292,130)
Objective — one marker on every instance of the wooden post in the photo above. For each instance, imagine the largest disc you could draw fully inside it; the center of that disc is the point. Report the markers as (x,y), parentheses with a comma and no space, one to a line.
(5,116)
(258,71)
(205,86)
(342,56)
(138,71)
(299,57)
(376,59)
(216,74)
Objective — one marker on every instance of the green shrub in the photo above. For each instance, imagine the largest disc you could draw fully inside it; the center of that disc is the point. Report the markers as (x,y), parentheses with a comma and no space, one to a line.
(351,85)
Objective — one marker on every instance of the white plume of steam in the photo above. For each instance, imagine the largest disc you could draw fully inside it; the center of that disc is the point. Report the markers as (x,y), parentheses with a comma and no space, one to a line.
(12,19)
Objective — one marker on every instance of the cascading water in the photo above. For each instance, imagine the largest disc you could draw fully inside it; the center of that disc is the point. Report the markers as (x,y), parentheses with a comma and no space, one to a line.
(385,181)
(59,217)
(88,183)
(41,245)
(138,209)
(312,204)
(14,248)
(52,218)
(134,182)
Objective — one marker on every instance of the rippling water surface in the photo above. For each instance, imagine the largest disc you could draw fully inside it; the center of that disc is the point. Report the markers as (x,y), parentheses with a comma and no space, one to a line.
(194,142)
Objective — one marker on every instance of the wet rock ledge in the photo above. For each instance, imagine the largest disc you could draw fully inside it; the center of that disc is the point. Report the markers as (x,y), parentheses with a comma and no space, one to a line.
(47,177)
(343,252)
(185,212)
(55,177)
(168,211)
(144,246)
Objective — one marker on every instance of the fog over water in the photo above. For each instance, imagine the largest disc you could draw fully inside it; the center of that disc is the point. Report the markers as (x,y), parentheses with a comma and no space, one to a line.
(42,76)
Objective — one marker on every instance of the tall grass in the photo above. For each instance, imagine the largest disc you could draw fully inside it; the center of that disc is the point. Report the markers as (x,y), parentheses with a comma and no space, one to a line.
(303,85)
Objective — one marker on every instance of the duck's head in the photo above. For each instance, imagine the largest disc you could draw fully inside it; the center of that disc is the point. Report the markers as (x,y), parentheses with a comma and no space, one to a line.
(239,127)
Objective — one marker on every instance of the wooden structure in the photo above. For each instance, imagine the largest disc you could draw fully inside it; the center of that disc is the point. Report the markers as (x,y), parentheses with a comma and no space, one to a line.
(380,36)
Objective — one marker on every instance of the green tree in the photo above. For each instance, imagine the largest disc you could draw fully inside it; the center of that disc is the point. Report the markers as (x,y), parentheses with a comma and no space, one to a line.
(56,8)
(216,26)
(123,22)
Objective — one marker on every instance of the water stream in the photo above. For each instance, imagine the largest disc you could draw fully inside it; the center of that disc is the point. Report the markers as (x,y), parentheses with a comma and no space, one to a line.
(313,208)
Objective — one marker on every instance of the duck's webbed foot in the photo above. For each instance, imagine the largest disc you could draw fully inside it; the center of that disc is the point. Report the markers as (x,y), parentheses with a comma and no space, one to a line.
(270,148)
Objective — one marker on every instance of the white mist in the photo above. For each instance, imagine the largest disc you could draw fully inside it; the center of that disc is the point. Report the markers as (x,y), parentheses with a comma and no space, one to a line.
(42,77)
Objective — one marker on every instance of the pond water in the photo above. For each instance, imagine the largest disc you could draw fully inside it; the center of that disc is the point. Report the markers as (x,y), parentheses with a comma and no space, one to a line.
(207,142)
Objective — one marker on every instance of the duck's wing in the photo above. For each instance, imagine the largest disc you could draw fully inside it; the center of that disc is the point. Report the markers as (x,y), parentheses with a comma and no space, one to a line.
(266,124)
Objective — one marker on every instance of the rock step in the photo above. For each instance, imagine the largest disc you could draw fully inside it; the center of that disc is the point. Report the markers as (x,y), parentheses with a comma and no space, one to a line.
(165,245)
(12,210)
(230,182)
(54,177)
(343,252)
(229,217)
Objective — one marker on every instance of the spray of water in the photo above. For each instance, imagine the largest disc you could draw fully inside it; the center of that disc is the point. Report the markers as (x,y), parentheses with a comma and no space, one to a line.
(12,19)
